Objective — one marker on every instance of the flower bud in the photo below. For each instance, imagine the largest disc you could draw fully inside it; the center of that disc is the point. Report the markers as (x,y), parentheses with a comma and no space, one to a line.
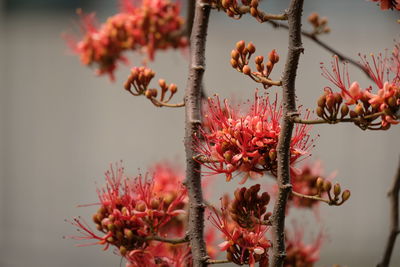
(338,98)
(320,112)
(273,56)
(345,195)
(234,63)
(251,48)
(337,190)
(259,59)
(319,183)
(246,70)
(155,204)
(226,3)
(321,101)
(272,154)
(253,12)
(344,110)
(140,206)
(327,186)
(254,3)
(127,85)
(173,88)
(123,250)
(162,83)
(240,46)
(235,54)
(313,19)
(359,110)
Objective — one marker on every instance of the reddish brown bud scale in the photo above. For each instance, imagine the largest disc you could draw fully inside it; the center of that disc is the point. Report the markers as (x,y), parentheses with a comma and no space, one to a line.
(173,88)
(251,48)
(234,63)
(235,54)
(240,46)
(246,70)
(344,110)
(320,112)
(346,195)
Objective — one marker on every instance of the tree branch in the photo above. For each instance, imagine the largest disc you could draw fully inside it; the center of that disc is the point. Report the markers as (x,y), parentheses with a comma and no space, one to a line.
(324,45)
(171,241)
(394,220)
(189,17)
(283,149)
(192,122)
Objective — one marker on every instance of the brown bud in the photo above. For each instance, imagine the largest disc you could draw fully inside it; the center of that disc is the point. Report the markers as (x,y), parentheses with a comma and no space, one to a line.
(172,88)
(260,67)
(392,102)
(96,218)
(273,56)
(246,70)
(320,112)
(162,83)
(327,186)
(123,250)
(110,239)
(313,18)
(272,154)
(345,195)
(134,74)
(353,114)
(330,101)
(235,54)
(344,110)
(226,3)
(337,190)
(338,98)
(359,110)
(254,3)
(259,59)
(127,85)
(111,227)
(323,21)
(140,206)
(240,46)
(251,48)
(234,63)
(319,183)
(321,101)
(253,12)
(128,234)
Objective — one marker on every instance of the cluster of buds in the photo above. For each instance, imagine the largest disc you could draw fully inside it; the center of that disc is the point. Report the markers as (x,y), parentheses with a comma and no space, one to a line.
(388,4)
(151,25)
(241,224)
(138,84)
(362,106)
(246,143)
(235,10)
(131,214)
(319,24)
(335,195)
(240,57)
(300,254)
(304,181)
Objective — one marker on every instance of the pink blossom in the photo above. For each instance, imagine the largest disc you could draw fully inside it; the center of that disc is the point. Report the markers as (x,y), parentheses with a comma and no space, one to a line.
(246,143)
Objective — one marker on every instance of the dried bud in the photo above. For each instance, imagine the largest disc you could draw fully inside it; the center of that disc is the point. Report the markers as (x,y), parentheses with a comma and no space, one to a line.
(345,195)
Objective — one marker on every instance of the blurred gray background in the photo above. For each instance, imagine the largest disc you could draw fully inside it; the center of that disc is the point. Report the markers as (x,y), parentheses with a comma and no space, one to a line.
(61,126)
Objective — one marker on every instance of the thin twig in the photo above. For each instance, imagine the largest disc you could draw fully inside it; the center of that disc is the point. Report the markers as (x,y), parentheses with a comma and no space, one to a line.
(184,239)
(322,121)
(324,45)
(217,261)
(164,104)
(394,220)
(192,123)
(283,149)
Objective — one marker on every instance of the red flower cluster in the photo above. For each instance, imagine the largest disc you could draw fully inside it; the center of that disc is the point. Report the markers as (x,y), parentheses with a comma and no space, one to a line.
(246,143)
(385,72)
(389,4)
(149,26)
(241,224)
(131,212)
(300,254)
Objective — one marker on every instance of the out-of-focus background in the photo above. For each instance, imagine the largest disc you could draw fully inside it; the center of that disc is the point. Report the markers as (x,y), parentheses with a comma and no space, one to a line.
(61,126)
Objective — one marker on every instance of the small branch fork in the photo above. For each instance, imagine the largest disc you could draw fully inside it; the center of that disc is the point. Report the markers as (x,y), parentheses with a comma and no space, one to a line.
(192,123)
(394,220)
(312,36)
(283,150)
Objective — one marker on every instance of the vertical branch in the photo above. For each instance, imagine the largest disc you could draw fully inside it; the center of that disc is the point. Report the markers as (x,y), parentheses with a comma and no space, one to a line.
(189,17)
(283,149)
(193,121)
(394,220)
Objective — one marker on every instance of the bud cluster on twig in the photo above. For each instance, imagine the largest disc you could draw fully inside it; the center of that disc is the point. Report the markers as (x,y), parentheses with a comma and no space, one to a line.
(240,58)
(335,195)
(319,24)
(138,84)
(235,10)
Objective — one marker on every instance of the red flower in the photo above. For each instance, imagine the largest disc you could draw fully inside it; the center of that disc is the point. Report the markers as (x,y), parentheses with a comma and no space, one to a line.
(130,212)
(246,143)
(243,246)
(300,254)
(151,25)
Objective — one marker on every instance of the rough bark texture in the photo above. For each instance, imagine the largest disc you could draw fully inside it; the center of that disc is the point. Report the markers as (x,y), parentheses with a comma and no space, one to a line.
(193,121)
(394,220)
(283,149)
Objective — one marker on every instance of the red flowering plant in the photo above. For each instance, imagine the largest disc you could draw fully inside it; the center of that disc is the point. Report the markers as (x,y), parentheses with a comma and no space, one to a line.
(159,221)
